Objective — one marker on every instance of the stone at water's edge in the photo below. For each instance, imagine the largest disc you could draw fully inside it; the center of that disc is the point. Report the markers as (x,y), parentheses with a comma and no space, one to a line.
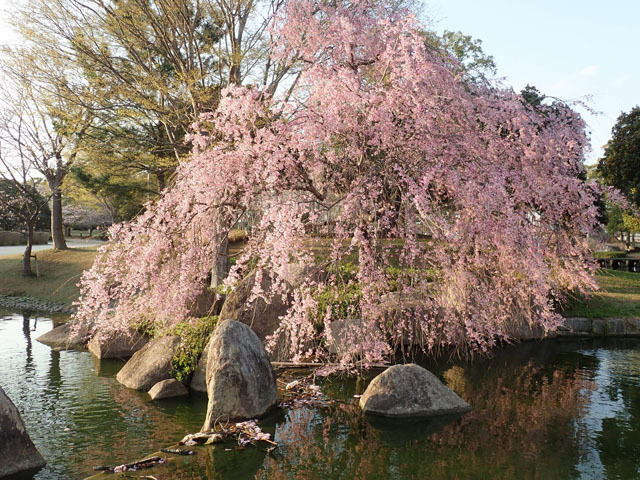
(521,329)
(599,327)
(120,345)
(17,451)
(410,391)
(150,364)
(240,380)
(168,389)
(66,337)
(199,379)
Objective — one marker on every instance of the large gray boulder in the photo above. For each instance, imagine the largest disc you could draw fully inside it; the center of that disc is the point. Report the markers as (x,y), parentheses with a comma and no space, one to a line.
(67,336)
(169,388)
(150,364)
(240,380)
(262,317)
(410,391)
(119,345)
(199,379)
(17,451)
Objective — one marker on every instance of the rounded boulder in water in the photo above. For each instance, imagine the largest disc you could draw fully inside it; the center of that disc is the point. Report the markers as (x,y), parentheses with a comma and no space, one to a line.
(410,391)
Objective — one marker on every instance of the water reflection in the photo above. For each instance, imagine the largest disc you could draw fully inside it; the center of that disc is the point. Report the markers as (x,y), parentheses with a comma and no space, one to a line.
(515,431)
(609,433)
(526,409)
(26,330)
(79,418)
(541,410)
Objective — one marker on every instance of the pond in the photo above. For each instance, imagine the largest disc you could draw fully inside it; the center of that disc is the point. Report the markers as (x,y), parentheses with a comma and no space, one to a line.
(553,409)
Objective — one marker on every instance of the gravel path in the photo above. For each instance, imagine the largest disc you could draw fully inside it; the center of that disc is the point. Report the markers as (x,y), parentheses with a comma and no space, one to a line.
(71,242)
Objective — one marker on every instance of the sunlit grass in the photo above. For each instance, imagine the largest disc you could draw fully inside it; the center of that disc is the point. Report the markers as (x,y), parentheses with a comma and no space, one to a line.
(60,271)
(619,296)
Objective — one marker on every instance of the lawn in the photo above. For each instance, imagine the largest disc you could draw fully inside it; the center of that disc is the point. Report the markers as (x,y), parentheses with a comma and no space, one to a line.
(619,296)
(60,271)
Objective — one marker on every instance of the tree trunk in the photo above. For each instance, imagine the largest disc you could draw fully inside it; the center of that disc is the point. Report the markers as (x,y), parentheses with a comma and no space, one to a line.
(26,259)
(57,228)
(220,267)
(219,271)
(162,180)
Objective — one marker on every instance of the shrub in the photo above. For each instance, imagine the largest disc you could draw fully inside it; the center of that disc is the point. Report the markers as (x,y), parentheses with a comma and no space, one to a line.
(195,335)
(342,297)
(609,254)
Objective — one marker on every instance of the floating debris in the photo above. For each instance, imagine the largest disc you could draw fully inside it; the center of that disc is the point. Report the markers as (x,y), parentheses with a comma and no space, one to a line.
(250,432)
(244,433)
(302,391)
(132,467)
(177,451)
(205,438)
(292,385)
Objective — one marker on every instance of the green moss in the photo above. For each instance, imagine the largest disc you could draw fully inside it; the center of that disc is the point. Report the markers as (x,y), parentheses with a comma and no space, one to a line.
(343,298)
(407,276)
(195,336)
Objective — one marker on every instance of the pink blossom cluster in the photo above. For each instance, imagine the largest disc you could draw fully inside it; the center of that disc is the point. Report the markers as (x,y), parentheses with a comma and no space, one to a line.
(380,147)
(619,199)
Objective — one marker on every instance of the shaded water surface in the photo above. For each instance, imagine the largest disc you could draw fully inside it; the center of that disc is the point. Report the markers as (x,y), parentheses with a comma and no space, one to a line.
(556,409)
(75,411)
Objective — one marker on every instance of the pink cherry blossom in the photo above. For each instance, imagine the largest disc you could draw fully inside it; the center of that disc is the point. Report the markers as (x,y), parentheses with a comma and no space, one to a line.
(383,152)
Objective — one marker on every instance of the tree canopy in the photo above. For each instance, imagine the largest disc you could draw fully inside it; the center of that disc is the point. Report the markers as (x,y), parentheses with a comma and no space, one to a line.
(457,200)
(620,165)
(13,212)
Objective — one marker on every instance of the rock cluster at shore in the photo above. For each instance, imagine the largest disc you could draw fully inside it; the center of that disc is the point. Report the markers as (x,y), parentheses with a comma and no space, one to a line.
(66,337)
(236,373)
(169,388)
(118,345)
(599,327)
(150,364)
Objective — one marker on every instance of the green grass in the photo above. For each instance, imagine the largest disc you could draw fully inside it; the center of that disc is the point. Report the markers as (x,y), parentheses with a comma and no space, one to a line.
(619,296)
(60,271)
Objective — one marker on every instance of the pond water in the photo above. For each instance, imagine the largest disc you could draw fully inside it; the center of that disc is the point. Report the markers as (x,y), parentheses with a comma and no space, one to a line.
(555,409)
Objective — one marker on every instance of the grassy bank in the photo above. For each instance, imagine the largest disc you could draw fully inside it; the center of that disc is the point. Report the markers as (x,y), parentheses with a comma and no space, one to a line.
(60,271)
(619,296)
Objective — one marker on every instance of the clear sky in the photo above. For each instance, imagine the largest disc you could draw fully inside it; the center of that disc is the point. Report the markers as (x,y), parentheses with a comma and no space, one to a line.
(570,49)
(566,48)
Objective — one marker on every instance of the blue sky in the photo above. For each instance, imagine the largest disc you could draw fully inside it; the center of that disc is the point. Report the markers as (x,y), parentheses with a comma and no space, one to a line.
(566,48)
